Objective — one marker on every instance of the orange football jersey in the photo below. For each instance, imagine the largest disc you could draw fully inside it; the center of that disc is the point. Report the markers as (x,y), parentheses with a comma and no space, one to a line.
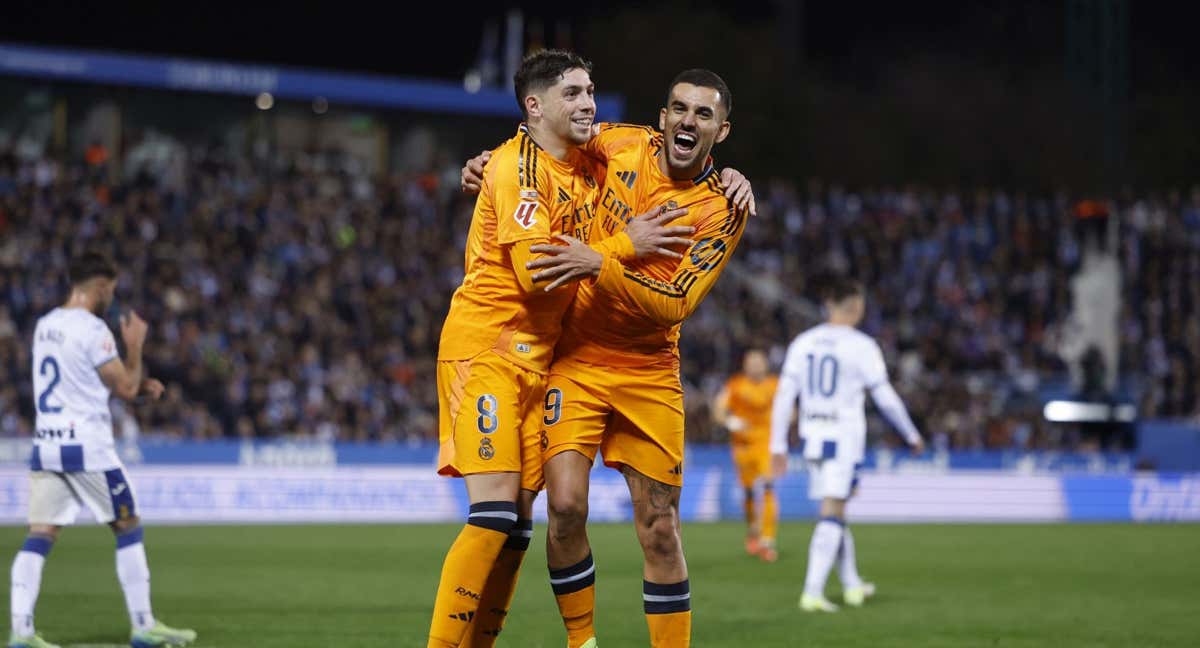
(751,402)
(526,195)
(630,315)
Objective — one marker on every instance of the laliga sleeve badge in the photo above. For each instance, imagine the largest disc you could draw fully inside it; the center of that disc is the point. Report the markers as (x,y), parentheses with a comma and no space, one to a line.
(524,215)
(486,451)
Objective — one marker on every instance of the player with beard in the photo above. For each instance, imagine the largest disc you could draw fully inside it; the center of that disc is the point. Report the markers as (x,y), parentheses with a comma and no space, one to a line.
(614,387)
(499,335)
(76,368)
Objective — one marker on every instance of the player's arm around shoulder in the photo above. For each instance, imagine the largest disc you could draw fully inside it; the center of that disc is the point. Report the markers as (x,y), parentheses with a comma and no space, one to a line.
(610,138)
(719,226)
(646,235)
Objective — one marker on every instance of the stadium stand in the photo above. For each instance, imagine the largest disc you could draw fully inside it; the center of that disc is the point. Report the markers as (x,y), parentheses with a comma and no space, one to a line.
(299,295)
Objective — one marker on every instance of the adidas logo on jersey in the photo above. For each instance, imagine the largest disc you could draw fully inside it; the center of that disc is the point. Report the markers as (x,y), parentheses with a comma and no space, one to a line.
(563,196)
(627,177)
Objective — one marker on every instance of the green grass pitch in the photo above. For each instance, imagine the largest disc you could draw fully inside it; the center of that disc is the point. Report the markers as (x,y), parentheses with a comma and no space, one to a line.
(372,586)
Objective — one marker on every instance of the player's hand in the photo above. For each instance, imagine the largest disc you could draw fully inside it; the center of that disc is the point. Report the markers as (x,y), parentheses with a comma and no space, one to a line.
(779,465)
(738,189)
(472,173)
(918,448)
(651,233)
(152,388)
(133,330)
(564,263)
(734,424)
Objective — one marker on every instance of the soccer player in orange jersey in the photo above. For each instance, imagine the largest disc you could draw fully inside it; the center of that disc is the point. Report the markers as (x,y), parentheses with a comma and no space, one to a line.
(499,335)
(614,387)
(744,407)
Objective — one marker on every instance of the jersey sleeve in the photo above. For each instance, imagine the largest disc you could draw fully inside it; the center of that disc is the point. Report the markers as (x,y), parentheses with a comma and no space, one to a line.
(787,392)
(519,191)
(670,302)
(875,379)
(100,346)
(874,369)
(892,409)
(619,246)
(616,137)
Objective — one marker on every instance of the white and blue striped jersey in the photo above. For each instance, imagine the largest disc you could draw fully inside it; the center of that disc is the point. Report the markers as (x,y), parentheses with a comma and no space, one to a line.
(74,426)
(830,368)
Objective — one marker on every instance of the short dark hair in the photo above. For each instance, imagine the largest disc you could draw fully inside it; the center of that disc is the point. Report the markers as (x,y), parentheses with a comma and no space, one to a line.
(542,69)
(90,265)
(839,289)
(704,79)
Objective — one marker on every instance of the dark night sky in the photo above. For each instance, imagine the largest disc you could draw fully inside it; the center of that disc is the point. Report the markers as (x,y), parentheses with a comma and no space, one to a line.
(440,39)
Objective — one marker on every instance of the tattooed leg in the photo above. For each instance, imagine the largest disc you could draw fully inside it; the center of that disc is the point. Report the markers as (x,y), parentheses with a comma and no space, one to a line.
(656,517)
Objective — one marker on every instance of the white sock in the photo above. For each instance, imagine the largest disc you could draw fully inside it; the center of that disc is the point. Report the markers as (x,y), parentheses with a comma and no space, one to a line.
(822,552)
(848,562)
(27,582)
(134,574)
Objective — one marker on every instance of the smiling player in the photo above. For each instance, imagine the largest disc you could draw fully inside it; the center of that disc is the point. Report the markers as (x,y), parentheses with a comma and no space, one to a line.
(498,337)
(614,387)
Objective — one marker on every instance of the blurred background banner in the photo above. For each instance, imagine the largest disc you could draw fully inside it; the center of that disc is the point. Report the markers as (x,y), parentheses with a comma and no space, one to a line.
(271,483)
(211,494)
(299,454)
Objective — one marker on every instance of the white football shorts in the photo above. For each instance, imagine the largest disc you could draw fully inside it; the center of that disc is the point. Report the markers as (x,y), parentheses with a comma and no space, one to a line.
(57,497)
(834,478)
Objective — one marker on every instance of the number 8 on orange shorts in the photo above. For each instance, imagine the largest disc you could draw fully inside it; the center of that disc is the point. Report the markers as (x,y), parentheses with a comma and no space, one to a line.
(489,416)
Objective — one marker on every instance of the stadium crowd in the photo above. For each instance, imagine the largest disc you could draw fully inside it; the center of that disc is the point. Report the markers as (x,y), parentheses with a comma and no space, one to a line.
(294,295)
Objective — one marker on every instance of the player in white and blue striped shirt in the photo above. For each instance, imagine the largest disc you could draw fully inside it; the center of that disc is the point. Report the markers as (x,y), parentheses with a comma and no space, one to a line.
(830,368)
(76,367)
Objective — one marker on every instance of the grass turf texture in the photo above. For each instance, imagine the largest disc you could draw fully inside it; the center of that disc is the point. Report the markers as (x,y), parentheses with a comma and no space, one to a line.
(372,586)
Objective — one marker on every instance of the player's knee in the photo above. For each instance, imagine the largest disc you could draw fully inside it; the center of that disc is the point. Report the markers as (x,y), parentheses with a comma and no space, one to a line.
(525,501)
(768,486)
(568,513)
(749,492)
(45,530)
(659,536)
